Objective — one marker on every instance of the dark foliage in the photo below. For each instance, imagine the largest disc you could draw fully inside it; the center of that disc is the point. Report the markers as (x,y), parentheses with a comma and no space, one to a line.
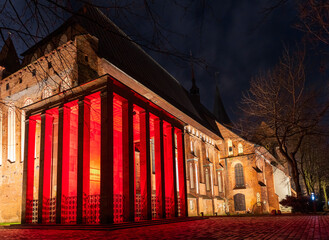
(298,204)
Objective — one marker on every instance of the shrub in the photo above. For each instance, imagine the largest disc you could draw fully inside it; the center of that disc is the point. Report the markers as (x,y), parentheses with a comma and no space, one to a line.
(300,204)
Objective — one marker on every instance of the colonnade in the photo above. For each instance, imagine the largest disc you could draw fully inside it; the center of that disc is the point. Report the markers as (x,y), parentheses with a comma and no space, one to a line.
(106,156)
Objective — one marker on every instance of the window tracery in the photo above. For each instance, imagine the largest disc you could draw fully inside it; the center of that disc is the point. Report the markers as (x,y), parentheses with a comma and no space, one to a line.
(239,178)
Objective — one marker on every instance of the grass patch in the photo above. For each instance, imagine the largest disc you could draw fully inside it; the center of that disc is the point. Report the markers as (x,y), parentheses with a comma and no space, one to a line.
(7,224)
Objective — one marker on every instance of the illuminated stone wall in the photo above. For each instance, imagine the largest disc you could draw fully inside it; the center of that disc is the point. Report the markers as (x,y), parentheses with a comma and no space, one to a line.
(204,174)
(48,71)
(258,188)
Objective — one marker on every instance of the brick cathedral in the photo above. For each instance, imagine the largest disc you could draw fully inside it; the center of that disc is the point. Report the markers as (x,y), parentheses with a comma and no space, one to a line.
(93,130)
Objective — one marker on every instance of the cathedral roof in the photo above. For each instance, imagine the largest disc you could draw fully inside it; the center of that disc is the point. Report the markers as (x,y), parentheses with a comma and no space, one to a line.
(219,110)
(116,47)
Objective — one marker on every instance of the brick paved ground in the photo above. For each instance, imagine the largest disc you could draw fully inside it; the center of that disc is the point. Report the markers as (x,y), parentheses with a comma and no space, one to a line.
(267,227)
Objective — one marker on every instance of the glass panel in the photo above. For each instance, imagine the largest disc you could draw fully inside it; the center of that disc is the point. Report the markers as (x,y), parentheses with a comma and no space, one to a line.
(31,200)
(136,127)
(70,162)
(152,155)
(51,139)
(36,169)
(169,173)
(92,213)
(117,161)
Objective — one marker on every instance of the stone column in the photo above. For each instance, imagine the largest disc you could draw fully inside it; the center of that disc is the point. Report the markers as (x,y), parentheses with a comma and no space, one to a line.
(159,168)
(128,162)
(145,166)
(83,182)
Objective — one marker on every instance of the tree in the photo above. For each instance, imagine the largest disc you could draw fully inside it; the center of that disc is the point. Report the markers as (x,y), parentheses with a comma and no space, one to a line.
(279,112)
(314,19)
(314,165)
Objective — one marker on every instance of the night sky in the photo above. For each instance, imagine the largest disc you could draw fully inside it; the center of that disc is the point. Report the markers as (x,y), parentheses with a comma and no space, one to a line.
(234,38)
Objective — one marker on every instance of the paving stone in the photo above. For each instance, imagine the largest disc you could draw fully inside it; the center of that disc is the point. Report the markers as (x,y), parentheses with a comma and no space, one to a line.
(264,227)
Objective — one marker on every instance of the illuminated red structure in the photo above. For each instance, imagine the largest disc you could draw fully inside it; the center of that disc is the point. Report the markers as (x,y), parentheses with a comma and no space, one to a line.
(107,155)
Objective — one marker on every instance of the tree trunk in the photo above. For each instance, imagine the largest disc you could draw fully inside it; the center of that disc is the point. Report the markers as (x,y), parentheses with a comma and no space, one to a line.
(294,168)
(303,175)
(324,188)
(306,182)
(295,177)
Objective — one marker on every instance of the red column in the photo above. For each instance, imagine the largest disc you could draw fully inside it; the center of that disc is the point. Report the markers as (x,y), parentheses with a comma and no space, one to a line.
(65,157)
(145,166)
(159,168)
(181,172)
(30,145)
(63,162)
(106,189)
(128,162)
(83,183)
(47,163)
(45,167)
(175,211)
(26,134)
(169,173)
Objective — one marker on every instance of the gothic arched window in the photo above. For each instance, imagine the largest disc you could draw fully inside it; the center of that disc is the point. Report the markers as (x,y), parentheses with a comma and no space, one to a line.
(207,179)
(239,179)
(239,202)
(191,175)
(219,176)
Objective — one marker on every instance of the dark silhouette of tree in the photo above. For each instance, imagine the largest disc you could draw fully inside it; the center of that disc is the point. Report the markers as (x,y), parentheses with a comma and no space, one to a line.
(280,113)
(314,165)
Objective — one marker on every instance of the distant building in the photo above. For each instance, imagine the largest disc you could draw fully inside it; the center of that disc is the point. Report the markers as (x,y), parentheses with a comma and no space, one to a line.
(95,131)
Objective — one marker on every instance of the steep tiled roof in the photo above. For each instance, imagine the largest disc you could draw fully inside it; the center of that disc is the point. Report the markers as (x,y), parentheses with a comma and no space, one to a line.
(118,49)
(209,120)
(219,110)
(115,46)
